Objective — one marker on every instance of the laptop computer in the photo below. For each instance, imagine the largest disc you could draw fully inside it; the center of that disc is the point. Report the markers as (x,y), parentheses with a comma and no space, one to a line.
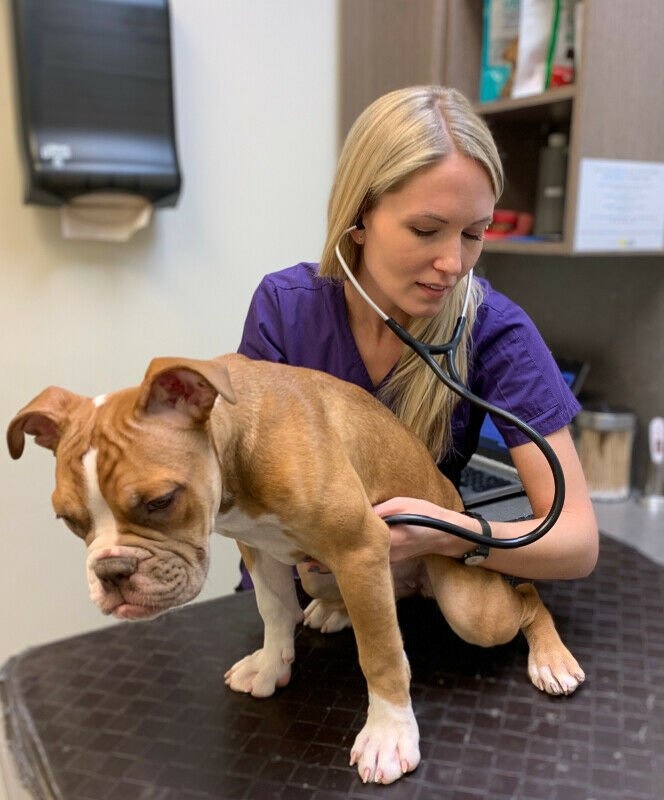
(490,475)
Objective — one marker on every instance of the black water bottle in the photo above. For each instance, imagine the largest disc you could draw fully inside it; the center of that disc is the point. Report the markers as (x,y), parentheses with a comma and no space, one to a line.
(551,178)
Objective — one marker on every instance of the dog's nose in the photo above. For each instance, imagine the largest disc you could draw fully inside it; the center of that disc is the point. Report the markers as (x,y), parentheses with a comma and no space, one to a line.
(111,569)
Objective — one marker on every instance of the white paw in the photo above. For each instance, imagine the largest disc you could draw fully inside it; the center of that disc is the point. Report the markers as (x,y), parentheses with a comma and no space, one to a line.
(260,673)
(388,745)
(556,672)
(327,616)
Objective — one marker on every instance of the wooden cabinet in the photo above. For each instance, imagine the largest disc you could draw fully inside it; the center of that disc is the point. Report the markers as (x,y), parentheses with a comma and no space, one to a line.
(614,110)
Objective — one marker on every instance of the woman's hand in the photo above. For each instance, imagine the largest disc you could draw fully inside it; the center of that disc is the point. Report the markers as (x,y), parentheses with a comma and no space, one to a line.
(411,541)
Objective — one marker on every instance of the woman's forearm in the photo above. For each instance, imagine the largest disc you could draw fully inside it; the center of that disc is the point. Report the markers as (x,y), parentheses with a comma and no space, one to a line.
(568,551)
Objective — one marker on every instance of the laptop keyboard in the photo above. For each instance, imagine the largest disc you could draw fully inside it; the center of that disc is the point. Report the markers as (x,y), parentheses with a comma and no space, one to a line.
(477,480)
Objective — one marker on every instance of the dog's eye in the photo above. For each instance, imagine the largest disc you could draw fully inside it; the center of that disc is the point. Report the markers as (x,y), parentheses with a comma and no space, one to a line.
(72,524)
(161,503)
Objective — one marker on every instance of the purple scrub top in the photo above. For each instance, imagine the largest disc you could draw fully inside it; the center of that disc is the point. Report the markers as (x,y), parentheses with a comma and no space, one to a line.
(298,318)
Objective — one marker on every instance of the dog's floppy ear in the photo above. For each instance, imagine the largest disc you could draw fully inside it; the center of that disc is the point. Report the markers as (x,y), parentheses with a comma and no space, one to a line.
(45,418)
(187,386)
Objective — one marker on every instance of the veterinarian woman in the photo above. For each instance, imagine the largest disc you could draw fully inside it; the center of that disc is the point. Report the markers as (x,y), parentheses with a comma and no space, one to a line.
(421,174)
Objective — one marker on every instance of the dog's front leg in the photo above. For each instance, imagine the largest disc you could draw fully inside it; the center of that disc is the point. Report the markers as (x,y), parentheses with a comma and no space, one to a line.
(388,744)
(270,667)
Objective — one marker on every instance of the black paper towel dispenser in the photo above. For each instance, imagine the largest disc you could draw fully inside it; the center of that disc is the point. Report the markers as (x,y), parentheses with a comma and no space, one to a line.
(94,83)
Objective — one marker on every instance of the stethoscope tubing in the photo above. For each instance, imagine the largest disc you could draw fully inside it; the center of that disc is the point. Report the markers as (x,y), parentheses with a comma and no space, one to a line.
(453,381)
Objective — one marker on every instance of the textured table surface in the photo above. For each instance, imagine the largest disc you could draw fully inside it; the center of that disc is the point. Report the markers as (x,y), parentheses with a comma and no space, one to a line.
(140,711)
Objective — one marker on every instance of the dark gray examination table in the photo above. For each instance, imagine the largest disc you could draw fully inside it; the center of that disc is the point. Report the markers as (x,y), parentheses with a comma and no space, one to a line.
(140,711)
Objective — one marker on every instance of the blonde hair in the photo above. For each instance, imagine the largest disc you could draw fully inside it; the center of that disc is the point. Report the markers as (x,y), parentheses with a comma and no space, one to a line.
(398,134)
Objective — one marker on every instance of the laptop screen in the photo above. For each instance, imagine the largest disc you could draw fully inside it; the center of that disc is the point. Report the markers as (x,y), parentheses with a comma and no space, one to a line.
(491,443)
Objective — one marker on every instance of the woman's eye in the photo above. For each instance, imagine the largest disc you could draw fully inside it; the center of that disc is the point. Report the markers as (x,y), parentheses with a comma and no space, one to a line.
(420,232)
(475,237)
(160,503)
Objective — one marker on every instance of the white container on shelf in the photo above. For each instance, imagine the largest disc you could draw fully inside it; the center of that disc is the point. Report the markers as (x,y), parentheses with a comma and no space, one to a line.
(653,495)
(604,441)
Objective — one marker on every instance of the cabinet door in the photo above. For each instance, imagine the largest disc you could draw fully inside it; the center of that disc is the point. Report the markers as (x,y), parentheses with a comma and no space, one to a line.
(385,45)
(618,109)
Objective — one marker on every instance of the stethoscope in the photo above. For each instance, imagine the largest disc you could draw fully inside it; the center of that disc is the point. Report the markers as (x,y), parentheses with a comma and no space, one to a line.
(450,377)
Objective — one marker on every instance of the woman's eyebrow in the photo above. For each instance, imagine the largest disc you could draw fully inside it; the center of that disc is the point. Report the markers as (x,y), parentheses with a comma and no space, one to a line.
(436,218)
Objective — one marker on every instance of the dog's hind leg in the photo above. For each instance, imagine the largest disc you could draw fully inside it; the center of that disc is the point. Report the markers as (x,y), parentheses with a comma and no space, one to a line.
(479,605)
(551,666)
(270,667)
(483,608)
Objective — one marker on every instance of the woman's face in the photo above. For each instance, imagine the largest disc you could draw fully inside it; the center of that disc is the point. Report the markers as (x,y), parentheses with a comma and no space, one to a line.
(420,240)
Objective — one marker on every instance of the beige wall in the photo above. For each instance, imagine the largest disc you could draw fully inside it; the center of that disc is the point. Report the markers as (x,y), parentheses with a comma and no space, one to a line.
(256,111)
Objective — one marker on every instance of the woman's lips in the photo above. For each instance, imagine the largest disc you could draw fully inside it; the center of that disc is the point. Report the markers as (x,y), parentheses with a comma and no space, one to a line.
(434,289)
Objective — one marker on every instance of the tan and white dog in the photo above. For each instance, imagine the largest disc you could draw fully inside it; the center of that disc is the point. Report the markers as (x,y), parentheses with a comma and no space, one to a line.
(288,462)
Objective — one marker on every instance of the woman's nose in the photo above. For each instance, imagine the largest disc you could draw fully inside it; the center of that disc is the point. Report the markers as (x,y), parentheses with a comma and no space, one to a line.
(448,259)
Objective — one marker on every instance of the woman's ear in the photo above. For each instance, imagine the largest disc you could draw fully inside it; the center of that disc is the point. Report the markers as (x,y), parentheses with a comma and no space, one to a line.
(358,234)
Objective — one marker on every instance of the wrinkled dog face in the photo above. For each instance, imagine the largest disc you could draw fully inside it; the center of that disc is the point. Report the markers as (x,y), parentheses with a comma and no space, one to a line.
(143,496)
(137,478)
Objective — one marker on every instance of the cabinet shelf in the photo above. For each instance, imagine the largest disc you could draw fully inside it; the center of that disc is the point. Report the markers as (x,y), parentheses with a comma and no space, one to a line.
(552,104)
(526,246)
(612,112)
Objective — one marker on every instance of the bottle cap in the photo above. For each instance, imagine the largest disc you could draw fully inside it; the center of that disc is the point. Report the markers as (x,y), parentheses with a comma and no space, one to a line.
(557,140)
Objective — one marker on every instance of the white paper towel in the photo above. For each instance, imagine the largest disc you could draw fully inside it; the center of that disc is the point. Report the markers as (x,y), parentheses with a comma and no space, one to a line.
(105,216)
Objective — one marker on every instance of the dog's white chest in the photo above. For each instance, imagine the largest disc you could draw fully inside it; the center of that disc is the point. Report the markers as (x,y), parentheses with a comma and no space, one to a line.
(264,533)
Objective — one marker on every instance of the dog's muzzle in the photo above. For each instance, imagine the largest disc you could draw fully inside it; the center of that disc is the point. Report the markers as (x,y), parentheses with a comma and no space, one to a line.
(136,583)
(115,568)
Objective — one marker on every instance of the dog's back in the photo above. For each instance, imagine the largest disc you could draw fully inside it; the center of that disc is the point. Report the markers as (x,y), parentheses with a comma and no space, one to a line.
(337,420)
